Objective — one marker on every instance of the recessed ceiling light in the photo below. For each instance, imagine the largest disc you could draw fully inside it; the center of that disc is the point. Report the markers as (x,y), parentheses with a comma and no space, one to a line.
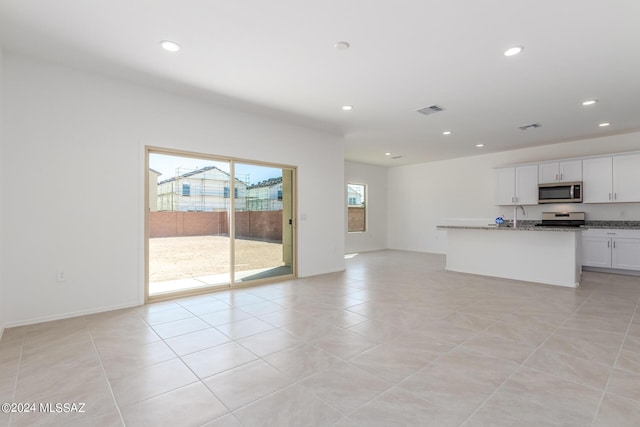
(170,46)
(589,102)
(341,45)
(605,124)
(479,145)
(387,154)
(347,107)
(446,132)
(513,50)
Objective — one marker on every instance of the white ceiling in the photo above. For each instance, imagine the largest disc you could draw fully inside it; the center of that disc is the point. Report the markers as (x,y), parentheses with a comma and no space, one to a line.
(278,58)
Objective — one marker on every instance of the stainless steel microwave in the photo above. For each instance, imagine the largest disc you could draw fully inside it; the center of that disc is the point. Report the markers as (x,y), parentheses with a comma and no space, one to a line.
(560,192)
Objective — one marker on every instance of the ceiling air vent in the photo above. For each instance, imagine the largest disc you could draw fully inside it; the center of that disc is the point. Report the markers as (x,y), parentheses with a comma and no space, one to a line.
(531,126)
(396,157)
(430,109)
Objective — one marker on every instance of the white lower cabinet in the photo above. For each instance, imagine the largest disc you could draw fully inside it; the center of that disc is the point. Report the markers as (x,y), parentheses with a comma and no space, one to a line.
(608,248)
(625,254)
(596,251)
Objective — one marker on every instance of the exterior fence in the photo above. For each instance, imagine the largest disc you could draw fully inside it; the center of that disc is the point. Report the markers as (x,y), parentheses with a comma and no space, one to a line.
(262,225)
(357,221)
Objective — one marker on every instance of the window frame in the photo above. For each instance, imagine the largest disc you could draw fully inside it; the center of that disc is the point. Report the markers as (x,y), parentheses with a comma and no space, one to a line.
(363,205)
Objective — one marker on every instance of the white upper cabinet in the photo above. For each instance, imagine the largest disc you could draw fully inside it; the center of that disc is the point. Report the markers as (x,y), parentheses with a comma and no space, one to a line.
(611,179)
(567,171)
(517,186)
(526,185)
(505,186)
(597,180)
(626,178)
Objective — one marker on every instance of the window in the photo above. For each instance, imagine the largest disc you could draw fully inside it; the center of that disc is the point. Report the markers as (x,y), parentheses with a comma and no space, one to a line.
(279,194)
(356,206)
(227,192)
(186,189)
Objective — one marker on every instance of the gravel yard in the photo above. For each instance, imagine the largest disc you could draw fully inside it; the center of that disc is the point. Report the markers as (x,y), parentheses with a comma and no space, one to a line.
(192,256)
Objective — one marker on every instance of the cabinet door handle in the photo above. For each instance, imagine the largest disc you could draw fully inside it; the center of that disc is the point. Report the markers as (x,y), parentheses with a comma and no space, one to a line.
(561,177)
(609,196)
(614,244)
(615,196)
(608,243)
(556,177)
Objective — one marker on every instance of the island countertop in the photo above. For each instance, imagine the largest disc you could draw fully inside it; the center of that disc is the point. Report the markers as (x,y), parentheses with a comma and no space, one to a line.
(484,250)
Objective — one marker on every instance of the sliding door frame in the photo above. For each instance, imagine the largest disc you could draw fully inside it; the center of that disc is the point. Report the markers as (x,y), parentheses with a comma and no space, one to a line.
(232,161)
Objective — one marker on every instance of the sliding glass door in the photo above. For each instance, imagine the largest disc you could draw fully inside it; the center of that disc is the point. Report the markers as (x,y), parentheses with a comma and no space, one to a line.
(216,223)
(263,227)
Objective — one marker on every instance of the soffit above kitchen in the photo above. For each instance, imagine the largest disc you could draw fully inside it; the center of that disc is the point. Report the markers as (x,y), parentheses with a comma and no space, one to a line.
(304,61)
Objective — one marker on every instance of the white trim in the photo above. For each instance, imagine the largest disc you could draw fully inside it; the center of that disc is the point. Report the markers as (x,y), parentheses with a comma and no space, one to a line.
(611,270)
(52,317)
(323,273)
(143,197)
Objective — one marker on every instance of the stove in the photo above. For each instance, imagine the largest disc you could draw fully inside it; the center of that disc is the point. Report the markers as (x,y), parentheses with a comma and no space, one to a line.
(562,219)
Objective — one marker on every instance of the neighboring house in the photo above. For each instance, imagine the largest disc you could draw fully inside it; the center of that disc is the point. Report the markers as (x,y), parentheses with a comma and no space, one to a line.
(265,195)
(355,195)
(153,190)
(202,190)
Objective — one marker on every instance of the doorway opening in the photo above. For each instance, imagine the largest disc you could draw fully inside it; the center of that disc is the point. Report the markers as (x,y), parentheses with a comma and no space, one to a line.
(215,223)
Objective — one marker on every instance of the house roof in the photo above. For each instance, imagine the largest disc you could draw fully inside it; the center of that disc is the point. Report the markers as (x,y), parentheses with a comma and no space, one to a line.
(195,172)
(266,183)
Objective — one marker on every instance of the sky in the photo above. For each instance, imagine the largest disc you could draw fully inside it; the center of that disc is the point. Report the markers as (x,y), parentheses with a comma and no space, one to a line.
(167,165)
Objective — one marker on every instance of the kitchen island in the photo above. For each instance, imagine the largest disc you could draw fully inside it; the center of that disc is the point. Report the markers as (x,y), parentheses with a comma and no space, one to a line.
(549,255)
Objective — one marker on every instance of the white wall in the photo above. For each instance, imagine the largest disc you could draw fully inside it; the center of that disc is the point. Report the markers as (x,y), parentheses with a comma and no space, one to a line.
(375,178)
(425,195)
(74,152)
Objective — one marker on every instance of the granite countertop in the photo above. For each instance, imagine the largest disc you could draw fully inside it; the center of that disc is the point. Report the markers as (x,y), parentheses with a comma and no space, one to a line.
(530,225)
(620,225)
(524,227)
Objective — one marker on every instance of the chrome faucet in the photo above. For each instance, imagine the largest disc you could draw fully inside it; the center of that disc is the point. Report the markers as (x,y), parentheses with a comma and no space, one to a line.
(515,214)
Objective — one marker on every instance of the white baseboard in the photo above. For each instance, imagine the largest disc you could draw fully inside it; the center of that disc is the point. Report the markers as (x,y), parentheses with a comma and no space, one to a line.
(69,315)
(317,273)
(612,271)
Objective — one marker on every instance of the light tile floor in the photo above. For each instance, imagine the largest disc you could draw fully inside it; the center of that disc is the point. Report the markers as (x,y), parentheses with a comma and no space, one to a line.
(393,340)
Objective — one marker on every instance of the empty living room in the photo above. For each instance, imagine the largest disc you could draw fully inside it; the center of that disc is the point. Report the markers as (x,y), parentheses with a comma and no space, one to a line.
(414,213)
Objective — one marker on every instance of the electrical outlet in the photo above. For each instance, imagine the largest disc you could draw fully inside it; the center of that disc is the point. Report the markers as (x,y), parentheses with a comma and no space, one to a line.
(60,276)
